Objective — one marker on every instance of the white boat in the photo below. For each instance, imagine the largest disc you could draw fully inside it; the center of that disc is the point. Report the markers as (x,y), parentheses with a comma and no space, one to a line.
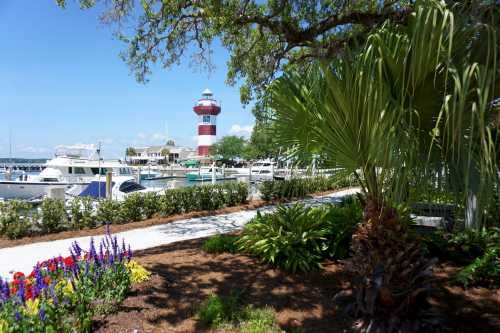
(259,170)
(204,174)
(72,165)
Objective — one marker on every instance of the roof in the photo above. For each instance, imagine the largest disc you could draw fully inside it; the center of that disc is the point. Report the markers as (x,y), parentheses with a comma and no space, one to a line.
(207,92)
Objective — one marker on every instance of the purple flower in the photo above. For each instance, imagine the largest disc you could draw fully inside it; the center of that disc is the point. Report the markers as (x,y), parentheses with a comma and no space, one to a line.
(129,253)
(18,316)
(41,314)
(21,291)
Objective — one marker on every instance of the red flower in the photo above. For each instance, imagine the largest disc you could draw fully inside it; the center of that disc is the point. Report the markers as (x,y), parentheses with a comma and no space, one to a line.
(46,280)
(18,275)
(32,275)
(52,267)
(69,262)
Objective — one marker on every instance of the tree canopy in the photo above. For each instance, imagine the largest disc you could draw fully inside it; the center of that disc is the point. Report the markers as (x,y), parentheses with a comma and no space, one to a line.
(263,37)
(230,147)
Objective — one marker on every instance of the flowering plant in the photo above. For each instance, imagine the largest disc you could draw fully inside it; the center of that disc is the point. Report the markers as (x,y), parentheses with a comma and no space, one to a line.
(63,294)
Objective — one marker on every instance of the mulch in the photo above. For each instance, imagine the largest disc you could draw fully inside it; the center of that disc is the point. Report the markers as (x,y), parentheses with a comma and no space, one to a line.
(183,276)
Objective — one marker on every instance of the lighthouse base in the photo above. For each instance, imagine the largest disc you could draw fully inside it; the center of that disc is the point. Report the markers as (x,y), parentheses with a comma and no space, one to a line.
(204,150)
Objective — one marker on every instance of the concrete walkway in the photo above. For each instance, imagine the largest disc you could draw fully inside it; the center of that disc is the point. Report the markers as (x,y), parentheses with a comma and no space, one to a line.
(22,258)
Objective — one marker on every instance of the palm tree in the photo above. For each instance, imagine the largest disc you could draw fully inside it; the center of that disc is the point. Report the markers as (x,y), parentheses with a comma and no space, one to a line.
(165,153)
(412,103)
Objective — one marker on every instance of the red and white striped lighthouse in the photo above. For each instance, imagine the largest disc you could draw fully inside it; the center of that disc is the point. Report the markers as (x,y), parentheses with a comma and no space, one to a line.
(207,110)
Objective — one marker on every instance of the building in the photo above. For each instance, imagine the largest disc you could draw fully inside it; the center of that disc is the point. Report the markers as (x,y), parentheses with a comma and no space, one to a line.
(207,110)
(155,154)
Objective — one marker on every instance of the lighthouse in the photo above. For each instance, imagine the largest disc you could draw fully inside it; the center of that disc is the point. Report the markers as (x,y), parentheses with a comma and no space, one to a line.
(207,110)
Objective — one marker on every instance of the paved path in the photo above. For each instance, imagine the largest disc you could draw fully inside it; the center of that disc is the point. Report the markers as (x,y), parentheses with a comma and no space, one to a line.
(22,258)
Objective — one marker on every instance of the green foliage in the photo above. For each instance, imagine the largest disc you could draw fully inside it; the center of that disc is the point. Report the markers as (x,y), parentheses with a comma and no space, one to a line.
(297,238)
(15,219)
(220,244)
(217,310)
(255,320)
(461,247)
(131,208)
(230,147)
(82,213)
(299,187)
(263,37)
(150,204)
(108,212)
(478,250)
(204,197)
(228,314)
(483,270)
(54,217)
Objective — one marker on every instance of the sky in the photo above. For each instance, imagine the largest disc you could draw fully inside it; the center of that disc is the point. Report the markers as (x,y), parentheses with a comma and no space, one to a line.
(62,83)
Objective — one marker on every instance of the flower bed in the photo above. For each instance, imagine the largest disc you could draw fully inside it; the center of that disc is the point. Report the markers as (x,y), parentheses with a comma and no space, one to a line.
(63,294)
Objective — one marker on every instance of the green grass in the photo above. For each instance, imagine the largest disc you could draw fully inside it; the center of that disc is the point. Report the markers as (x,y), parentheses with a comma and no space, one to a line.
(226,314)
(220,244)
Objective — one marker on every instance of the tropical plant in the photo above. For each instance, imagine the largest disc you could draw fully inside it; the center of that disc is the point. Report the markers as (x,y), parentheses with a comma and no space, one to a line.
(411,103)
(294,238)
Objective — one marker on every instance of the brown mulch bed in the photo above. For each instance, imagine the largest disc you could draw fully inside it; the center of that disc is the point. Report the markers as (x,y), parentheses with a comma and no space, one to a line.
(184,275)
(115,228)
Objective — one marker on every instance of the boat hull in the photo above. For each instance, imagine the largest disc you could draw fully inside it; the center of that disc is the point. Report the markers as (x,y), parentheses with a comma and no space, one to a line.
(201,177)
(28,190)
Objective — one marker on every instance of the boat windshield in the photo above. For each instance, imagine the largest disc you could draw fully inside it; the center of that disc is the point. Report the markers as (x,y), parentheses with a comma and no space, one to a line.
(84,152)
(131,186)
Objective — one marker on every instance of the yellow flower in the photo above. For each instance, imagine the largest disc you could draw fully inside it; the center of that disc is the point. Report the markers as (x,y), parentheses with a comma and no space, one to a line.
(3,326)
(65,286)
(32,306)
(138,273)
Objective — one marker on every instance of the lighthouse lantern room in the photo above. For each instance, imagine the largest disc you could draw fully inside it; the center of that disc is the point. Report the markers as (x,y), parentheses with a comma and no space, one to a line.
(207,110)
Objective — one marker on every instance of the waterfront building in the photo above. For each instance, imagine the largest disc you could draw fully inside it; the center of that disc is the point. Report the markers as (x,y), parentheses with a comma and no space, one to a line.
(207,110)
(165,154)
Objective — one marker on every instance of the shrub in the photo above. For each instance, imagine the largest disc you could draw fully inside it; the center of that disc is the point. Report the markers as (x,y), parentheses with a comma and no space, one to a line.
(150,204)
(300,187)
(298,238)
(216,310)
(293,238)
(15,221)
(461,247)
(130,208)
(228,314)
(483,270)
(82,213)
(53,215)
(343,221)
(108,212)
(220,244)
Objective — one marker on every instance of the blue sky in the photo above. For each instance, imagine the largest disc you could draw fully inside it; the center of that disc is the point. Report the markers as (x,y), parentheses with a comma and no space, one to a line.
(62,82)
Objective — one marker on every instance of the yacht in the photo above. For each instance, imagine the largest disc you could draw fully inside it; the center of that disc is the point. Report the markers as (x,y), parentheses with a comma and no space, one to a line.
(204,174)
(260,170)
(72,165)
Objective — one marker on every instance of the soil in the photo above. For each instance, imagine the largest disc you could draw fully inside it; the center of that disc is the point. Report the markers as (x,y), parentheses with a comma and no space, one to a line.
(183,276)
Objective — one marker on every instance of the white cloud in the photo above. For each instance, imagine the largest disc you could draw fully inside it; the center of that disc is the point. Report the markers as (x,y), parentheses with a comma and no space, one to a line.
(241,130)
